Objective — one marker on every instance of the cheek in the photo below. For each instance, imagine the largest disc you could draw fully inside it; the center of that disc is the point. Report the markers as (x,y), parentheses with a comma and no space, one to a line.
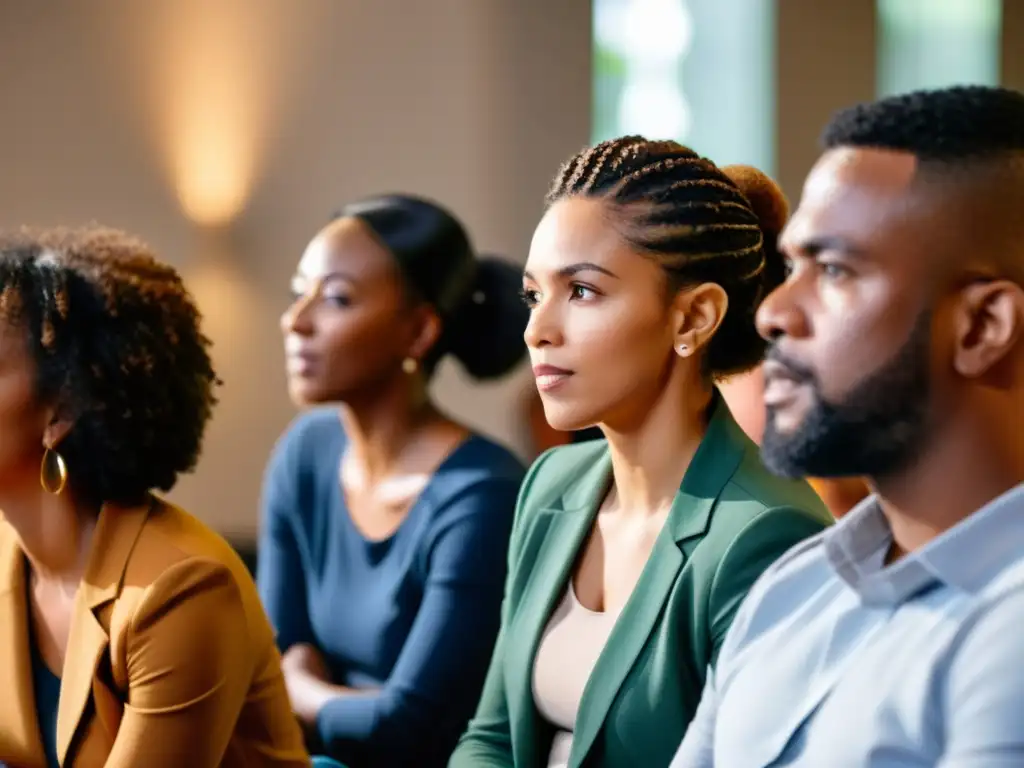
(361,343)
(855,332)
(619,346)
(21,436)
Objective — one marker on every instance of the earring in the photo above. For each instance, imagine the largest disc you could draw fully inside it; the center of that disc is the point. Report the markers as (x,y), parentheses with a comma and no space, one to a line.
(410,365)
(682,349)
(53,472)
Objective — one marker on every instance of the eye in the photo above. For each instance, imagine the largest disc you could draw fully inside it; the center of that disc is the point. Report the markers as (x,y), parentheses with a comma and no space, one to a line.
(833,271)
(580,292)
(338,300)
(529,297)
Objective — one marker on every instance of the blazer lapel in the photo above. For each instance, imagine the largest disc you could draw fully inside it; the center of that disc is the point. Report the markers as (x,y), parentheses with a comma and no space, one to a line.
(116,532)
(20,742)
(563,530)
(714,463)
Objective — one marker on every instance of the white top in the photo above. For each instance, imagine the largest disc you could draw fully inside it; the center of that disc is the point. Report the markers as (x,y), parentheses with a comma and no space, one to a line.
(568,651)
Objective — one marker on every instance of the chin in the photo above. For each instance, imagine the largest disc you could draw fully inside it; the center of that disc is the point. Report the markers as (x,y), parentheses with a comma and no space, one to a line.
(567,419)
(305,394)
(784,422)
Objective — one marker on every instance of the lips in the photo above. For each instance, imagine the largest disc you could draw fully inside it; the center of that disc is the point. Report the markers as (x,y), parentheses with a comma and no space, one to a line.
(781,385)
(550,377)
(298,361)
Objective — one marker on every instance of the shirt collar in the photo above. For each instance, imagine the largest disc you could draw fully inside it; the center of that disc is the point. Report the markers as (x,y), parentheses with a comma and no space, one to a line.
(966,557)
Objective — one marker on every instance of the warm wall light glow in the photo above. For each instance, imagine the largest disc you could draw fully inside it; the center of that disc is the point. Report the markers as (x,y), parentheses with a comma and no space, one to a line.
(213,81)
(210,104)
(213,154)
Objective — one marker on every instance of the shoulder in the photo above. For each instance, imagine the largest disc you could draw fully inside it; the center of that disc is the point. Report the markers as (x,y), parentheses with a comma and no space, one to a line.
(305,455)
(1001,601)
(480,459)
(479,476)
(787,583)
(753,497)
(174,549)
(478,465)
(311,436)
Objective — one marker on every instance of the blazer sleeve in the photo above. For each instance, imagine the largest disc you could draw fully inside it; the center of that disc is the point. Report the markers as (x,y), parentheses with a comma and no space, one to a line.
(763,541)
(433,688)
(189,669)
(487,742)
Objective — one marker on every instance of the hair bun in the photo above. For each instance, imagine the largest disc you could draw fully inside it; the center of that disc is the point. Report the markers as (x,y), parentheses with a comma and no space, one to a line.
(764,195)
(487,332)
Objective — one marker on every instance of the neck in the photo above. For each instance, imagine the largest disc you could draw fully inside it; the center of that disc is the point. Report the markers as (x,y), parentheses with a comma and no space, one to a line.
(378,429)
(55,532)
(968,464)
(651,455)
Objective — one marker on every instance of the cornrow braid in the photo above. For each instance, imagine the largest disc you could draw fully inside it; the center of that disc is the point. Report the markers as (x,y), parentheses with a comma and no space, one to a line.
(116,342)
(698,221)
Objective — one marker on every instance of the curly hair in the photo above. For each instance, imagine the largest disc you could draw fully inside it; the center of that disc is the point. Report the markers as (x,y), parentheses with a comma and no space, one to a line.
(119,352)
(701,223)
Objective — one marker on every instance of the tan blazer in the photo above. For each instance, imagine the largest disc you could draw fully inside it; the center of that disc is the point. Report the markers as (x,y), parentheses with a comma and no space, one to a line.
(170,662)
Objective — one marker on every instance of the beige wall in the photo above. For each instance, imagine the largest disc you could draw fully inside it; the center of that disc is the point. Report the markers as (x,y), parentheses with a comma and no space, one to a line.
(287,108)
(826,61)
(1013,44)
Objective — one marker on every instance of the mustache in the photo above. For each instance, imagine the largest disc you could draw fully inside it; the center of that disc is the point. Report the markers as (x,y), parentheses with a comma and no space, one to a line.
(795,370)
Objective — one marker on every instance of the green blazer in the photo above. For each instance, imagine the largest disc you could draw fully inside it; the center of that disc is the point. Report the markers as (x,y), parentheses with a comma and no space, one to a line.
(730,520)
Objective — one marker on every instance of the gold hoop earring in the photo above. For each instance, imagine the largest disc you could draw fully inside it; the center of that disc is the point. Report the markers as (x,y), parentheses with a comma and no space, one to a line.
(53,472)
(410,365)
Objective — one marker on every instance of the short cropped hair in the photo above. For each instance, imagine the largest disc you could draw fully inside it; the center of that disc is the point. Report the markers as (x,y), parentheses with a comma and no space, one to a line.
(948,124)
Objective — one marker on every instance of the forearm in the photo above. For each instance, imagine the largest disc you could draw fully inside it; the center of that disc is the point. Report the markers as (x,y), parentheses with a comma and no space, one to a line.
(309,692)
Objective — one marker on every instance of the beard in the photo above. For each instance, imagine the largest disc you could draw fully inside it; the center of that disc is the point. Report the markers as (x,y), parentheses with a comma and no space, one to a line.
(877,429)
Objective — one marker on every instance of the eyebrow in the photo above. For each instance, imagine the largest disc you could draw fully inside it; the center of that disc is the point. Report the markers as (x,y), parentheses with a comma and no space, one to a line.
(813,246)
(575,269)
(325,278)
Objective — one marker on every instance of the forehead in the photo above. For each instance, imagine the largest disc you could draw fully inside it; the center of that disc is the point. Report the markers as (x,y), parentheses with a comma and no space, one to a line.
(346,246)
(575,230)
(864,197)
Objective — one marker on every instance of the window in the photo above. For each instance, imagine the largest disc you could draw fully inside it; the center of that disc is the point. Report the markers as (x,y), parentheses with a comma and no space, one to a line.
(937,43)
(698,71)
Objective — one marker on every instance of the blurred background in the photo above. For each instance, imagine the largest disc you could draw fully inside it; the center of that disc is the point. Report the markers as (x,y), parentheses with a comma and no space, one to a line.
(225,132)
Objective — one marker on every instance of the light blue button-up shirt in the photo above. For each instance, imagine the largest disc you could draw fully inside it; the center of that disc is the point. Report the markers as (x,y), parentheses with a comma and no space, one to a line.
(837,660)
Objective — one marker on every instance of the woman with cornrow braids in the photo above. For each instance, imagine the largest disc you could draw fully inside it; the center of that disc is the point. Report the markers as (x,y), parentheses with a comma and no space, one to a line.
(630,555)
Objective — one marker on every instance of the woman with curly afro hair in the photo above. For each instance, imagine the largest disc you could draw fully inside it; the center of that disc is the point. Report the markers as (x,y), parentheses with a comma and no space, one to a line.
(130,634)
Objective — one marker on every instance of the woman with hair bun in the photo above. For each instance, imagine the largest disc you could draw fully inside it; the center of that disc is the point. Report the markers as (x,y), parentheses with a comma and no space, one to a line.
(630,555)
(385,521)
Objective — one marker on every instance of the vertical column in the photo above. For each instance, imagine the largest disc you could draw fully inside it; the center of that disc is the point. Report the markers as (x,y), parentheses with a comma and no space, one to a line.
(1012,58)
(826,61)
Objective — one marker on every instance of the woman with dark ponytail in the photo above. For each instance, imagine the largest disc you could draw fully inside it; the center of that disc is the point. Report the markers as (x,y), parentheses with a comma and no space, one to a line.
(631,554)
(385,522)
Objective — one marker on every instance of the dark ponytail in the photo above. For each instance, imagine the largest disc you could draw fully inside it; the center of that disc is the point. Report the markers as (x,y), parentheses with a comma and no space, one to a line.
(486,333)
